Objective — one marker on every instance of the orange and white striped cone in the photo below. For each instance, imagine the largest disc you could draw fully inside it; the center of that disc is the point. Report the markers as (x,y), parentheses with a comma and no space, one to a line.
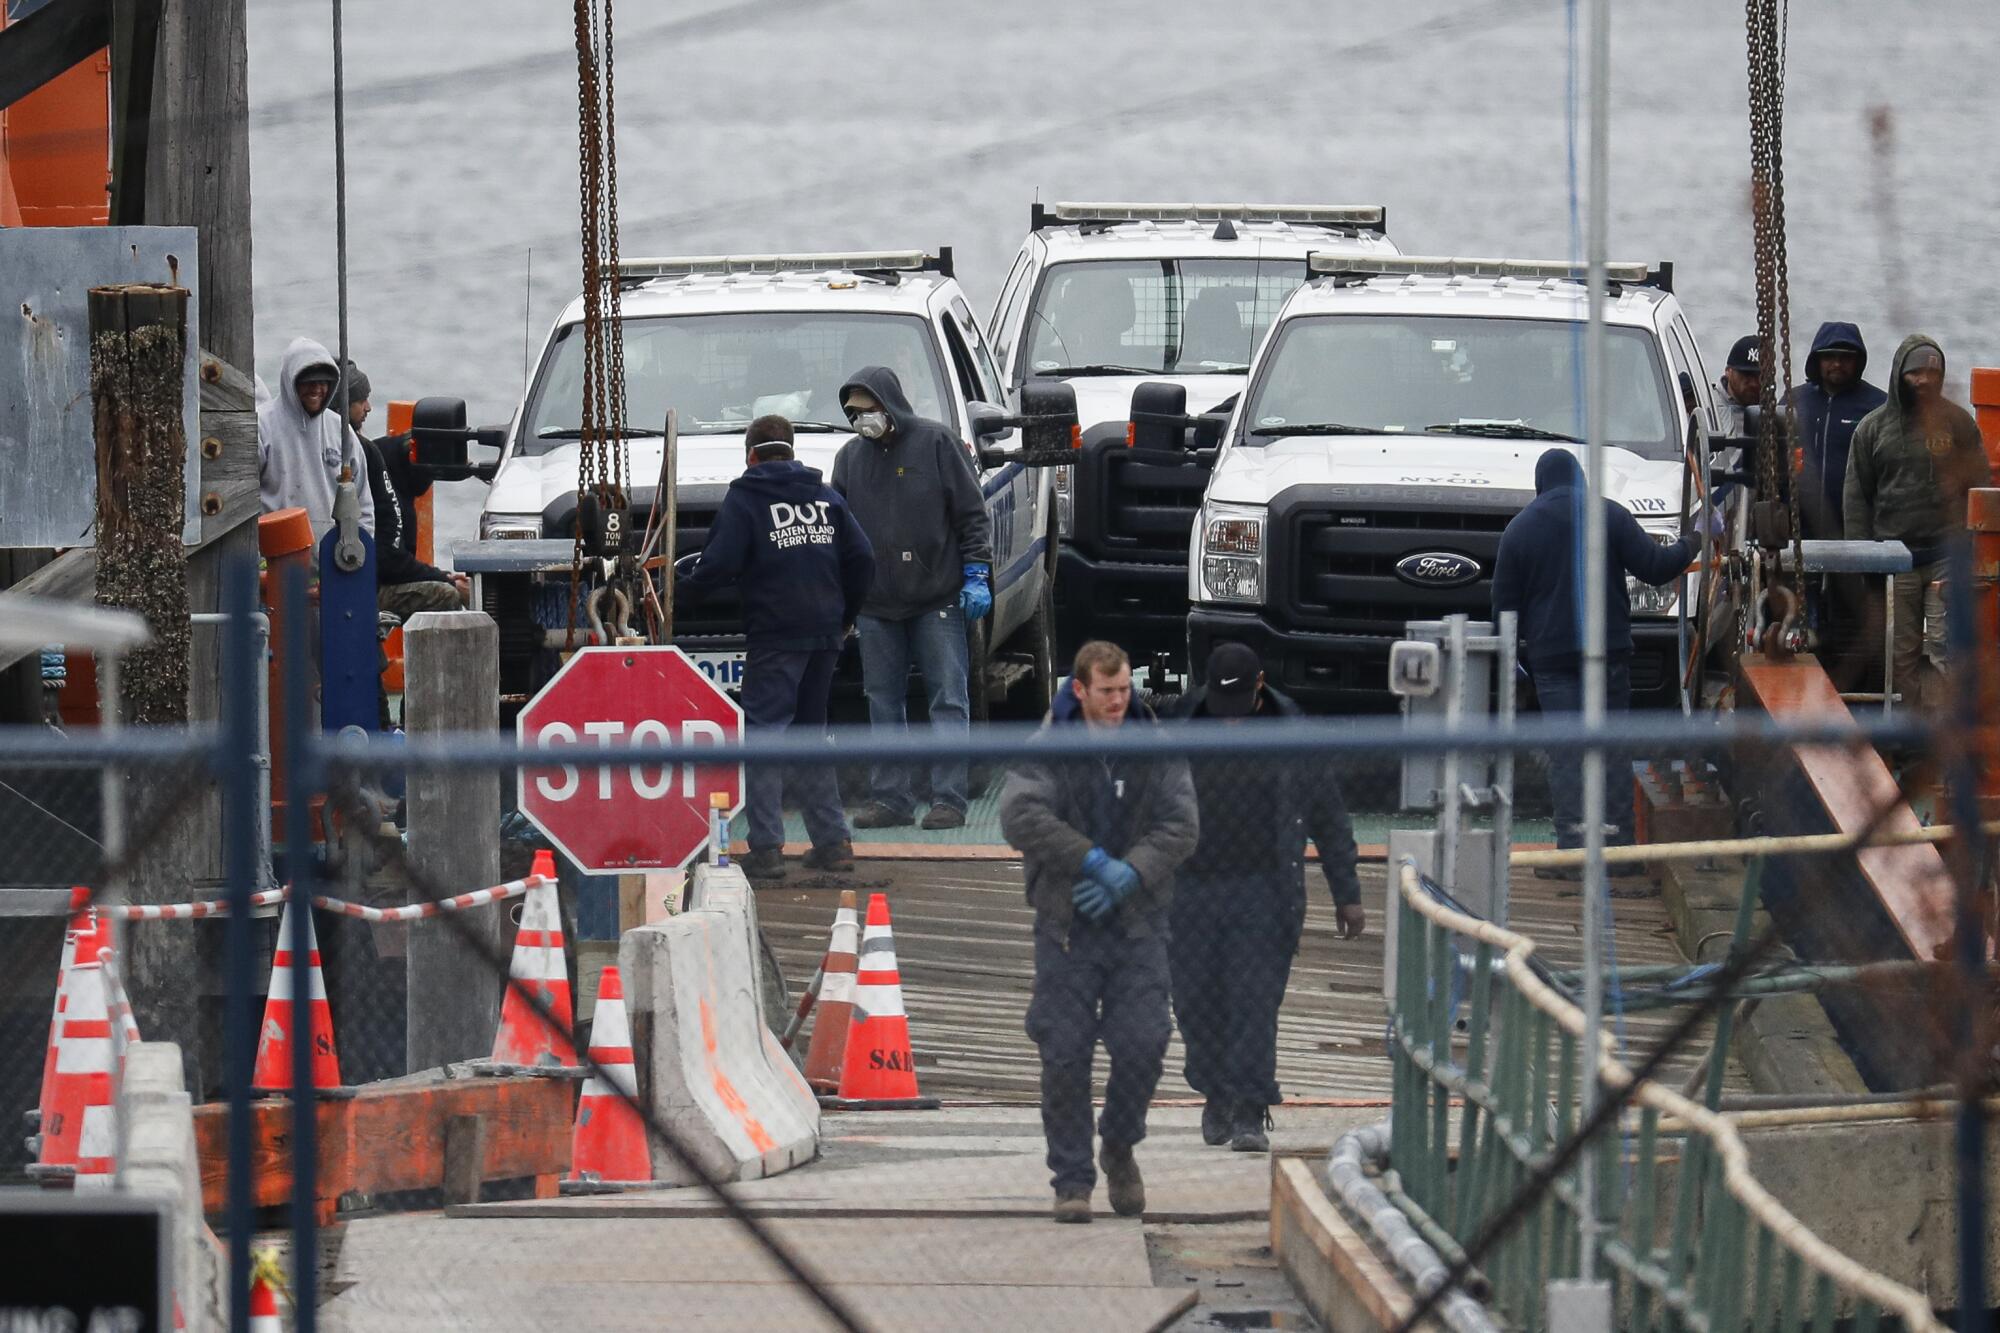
(266,1279)
(274,1039)
(836,999)
(877,1071)
(82,1076)
(524,1037)
(609,1146)
(83,917)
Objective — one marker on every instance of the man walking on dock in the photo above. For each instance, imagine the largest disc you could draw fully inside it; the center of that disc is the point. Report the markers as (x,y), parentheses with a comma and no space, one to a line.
(1102,838)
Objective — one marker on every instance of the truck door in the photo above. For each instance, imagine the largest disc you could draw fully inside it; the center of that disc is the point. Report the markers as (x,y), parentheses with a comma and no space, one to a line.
(1008,489)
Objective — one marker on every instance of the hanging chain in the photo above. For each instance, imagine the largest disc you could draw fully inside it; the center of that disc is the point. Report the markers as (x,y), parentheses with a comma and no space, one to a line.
(1766,25)
(600,472)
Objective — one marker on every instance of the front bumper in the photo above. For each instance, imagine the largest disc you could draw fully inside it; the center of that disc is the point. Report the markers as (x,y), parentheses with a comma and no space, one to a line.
(1140,607)
(1349,673)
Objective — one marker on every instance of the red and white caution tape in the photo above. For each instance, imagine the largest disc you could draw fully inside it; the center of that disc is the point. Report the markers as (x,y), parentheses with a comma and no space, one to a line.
(422,911)
(188,911)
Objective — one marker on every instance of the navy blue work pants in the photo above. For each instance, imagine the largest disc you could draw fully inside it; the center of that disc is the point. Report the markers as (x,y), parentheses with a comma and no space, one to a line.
(1561,691)
(1233,942)
(1099,985)
(787,688)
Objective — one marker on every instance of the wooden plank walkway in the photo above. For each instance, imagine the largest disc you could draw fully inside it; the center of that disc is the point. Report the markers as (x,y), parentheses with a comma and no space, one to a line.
(964,945)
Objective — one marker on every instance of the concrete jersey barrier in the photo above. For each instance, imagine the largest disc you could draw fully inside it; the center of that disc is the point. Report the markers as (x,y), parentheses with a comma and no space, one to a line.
(709,1066)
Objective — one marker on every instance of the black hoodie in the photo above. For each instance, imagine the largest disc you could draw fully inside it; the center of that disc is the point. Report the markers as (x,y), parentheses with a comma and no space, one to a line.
(396,486)
(1907,474)
(799,560)
(1537,575)
(915,494)
(1826,424)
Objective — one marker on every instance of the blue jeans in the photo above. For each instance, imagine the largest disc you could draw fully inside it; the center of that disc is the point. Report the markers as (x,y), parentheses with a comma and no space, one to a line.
(934,643)
(1561,691)
(783,688)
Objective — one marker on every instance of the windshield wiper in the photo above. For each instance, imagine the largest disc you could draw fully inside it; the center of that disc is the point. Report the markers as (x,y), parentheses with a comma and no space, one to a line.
(1317,428)
(838,428)
(1500,430)
(1065,372)
(576,433)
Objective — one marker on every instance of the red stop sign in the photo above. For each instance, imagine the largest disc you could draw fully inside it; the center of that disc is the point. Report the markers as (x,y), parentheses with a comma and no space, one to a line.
(612,818)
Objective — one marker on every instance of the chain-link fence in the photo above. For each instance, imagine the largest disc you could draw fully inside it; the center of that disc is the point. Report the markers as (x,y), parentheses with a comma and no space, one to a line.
(1152,952)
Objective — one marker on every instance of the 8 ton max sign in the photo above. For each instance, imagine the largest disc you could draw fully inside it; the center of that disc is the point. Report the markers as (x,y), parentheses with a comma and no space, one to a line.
(614,817)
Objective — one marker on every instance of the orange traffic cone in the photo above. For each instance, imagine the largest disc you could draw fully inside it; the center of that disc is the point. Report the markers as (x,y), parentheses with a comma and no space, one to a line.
(610,1141)
(524,1038)
(877,1072)
(82,1076)
(836,1000)
(265,1277)
(274,1040)
(83,917)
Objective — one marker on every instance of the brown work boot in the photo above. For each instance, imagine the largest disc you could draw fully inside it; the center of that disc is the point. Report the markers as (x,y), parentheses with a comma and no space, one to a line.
(877,815)
(837,857)
(1121,1174)
(764,867)
(1072,1205)
(943,817)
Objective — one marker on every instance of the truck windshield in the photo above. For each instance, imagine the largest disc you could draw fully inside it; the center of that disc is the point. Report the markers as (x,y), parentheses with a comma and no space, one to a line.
(1478,377)
(1156,316)
(719,372)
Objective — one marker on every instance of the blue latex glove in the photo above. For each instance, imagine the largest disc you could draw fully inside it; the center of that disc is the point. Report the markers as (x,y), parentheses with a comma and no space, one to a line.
(976,597)
(1092,900)
(1117,876)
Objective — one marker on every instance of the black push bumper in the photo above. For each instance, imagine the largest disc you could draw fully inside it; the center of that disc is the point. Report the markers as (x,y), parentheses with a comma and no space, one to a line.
(1140,607)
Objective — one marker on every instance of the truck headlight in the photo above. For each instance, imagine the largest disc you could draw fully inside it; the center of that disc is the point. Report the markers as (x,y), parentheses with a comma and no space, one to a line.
(509,527)
(1065,502)
(1646,600)
(1232,553)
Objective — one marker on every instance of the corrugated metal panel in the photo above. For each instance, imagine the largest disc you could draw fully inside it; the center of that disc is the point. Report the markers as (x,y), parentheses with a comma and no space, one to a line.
(48,460)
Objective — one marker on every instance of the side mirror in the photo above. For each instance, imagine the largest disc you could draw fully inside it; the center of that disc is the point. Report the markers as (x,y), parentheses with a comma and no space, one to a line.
(988,422)
(1159,416)
(440,442)
(1048,426)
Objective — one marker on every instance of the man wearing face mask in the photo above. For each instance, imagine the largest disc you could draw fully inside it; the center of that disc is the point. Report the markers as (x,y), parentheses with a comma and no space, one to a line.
(1908,469)
(909,482)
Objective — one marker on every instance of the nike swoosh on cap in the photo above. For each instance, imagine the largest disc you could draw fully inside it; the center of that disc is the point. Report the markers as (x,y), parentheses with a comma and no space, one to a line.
(1228,681)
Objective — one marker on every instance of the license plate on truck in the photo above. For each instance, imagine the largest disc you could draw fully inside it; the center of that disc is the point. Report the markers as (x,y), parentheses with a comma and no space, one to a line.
(725,669)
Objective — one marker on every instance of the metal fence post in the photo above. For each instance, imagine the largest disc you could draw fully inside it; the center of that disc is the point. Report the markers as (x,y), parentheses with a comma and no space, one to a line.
(303,758)
(237,772)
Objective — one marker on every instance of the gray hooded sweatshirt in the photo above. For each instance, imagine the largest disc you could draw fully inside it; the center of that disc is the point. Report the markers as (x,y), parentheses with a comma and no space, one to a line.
(299,458)
(916,496)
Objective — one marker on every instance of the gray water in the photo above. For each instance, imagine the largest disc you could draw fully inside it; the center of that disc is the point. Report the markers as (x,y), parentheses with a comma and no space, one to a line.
(822,124)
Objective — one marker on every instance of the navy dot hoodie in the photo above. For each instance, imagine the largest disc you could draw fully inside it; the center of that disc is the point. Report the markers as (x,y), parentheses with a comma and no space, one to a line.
(1537,573)
(800,562)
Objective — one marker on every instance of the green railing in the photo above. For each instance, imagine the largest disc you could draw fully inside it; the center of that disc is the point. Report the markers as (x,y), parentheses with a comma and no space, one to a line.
(1477,1110)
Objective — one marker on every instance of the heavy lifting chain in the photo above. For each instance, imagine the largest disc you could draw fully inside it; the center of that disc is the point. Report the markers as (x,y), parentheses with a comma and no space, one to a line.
(600,473)
(1774,517)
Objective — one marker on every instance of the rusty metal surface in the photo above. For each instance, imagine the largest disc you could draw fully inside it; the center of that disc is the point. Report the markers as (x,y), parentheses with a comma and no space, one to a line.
(1850,784)
(48,487)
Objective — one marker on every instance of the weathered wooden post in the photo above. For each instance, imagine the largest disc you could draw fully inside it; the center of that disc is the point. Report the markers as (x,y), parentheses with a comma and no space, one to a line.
(451,683)
(138,341)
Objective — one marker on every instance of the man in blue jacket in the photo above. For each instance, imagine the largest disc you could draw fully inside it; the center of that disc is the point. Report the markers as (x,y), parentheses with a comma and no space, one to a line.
(911,485)
(1827,408)
(803,567)
(1538,575)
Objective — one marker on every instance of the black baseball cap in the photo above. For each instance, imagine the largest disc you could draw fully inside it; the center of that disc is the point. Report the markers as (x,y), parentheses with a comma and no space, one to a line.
(1744,357)
(1233,669)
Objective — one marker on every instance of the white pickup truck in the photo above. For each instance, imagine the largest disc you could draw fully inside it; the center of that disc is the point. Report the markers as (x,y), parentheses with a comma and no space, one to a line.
(721,340)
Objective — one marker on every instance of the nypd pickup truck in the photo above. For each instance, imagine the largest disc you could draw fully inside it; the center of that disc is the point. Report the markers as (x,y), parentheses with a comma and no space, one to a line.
(722,340)
(1388,431)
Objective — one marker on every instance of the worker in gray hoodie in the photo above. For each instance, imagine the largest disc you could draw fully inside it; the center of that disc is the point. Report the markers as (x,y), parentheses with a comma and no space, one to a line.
(910,484)
(303,449)
(1908,468)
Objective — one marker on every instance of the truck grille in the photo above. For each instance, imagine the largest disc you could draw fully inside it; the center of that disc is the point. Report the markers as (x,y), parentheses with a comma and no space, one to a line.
(1137,505)
(1343,566)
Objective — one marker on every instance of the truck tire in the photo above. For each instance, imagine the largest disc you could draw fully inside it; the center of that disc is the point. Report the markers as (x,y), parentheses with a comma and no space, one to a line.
(1038,638)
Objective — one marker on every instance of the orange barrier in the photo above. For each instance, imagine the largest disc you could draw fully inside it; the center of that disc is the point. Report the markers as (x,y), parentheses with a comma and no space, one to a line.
(1986,410)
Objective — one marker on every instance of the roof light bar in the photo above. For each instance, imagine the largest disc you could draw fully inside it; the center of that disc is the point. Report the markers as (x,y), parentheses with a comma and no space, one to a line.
(1439,266)
(1329,215)
(847,261)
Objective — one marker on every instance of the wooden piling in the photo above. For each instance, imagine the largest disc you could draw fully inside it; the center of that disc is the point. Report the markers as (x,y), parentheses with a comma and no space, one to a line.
(451,683)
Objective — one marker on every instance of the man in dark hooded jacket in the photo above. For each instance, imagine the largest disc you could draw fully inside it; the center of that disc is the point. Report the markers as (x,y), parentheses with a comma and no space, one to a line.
(1240,901)
(1102,838)
(911,486)
(803,566)
(1538,575)
(1826,409)
(1910,464)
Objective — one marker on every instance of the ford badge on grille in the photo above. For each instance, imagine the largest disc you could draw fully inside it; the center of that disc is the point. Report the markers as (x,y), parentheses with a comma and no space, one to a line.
(1437,569)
